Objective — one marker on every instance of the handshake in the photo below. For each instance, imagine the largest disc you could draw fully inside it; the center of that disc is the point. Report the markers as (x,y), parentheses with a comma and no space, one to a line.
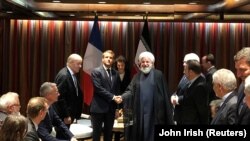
(118,99)
(175,99)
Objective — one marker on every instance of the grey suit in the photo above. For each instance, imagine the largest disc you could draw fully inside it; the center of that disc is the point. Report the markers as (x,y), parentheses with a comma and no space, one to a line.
(226,115)
(31,133)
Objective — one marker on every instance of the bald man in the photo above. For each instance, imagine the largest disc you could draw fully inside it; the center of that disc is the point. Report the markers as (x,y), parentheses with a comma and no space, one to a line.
(70,103)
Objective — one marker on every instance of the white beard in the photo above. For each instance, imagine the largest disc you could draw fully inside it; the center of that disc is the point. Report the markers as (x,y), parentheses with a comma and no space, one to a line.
(146,70)
(16,113)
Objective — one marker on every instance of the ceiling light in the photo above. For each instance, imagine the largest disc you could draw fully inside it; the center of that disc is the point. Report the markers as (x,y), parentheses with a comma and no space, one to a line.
(192,3)
(19,2)
(72,15)
(56,1)
(102,2)
(45,14)
(9,12)
(146,3)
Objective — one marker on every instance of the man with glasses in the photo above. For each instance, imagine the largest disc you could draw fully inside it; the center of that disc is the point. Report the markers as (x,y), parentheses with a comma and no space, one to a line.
(9,104)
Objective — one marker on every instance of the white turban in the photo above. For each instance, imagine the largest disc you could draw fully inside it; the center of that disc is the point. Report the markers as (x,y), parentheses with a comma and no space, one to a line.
(148,55)
(191,56)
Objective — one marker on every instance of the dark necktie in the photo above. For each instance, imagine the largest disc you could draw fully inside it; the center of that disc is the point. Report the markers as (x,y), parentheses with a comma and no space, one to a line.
(110,75)
(75,83)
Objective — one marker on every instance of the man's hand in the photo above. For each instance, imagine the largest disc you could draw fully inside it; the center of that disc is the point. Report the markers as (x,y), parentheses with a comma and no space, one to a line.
(67,120)
(174,99)
(118,99)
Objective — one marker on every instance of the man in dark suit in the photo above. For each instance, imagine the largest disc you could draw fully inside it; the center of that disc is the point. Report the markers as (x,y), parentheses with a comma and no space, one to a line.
(106,83)
(224,85)
(37,109)
(242,66)
(50,92)
(70,103)
(182,83)
(207,63)
(193,103)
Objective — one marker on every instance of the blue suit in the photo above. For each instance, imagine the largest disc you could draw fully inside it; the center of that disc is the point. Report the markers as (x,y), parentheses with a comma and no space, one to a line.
(52,120)
(102,107)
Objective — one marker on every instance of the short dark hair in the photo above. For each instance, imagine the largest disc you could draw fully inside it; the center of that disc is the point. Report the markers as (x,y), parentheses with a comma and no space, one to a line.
(120,58)
(210,58)
(194,65)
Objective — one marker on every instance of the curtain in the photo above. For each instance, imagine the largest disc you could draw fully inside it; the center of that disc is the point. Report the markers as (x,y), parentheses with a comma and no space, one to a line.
(33,51)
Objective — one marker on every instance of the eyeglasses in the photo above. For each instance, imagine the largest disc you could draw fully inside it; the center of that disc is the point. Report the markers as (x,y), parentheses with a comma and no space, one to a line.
(17,105)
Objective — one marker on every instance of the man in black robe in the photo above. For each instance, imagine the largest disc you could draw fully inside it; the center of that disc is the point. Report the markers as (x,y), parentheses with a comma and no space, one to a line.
(146,102)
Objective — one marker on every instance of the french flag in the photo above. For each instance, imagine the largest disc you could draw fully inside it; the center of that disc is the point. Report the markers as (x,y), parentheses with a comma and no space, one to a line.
(92,59)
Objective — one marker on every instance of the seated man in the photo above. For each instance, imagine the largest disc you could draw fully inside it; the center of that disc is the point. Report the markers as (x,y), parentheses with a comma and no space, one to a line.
(37,109)
(9,104)
(50,92)
(214,106)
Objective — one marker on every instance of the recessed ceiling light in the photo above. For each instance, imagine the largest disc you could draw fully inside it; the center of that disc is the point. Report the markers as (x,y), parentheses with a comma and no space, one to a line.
(71,15)
(102,2)
(146,3)
(56,1)
(192,3)
(9,12)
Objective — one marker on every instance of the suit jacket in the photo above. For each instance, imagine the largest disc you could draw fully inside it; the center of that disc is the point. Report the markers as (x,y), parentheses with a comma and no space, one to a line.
(209,80)
(193,108)
(3,116)
(226,115)
(242,112)
(52,120)
(69,102)
(244,116)
(31,133)
(104,90)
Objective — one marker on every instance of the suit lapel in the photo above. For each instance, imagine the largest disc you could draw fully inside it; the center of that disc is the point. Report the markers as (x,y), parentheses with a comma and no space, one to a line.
(220,110)
(72,81)
(243,109)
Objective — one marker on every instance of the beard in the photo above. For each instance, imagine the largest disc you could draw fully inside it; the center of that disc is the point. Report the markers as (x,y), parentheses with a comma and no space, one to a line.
(146,70)
(16,113)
